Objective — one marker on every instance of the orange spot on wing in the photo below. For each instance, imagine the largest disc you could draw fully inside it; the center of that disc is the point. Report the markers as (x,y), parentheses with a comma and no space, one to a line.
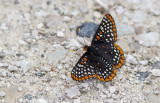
(103,46)
(114,71)
(100,32)
(113,66)
(112,75)
(80,79)
(83,78)
(85,59)
(110,78)
(90,76)
(106,79)
(97,37)
(114,26)
(121,60)
(113,22)
(114,29)
(122,56)
(115,39)
(117,66)
(115,45)
(118,48)
(74,77)
(86,77)
(77,78)
(98,77)
(111,19)
(121,52)
(82,62)
(102,79)
(107,15)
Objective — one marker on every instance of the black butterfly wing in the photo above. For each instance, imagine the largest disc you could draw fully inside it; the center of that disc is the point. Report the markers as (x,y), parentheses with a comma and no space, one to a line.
(84,69)
(105,71)
(106,31)
(111,52)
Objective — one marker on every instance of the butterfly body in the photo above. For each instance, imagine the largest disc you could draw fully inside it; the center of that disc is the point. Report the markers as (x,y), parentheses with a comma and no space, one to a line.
(102,56)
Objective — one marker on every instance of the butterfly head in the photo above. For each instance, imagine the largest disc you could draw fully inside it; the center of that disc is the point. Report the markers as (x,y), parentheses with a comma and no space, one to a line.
(85,48)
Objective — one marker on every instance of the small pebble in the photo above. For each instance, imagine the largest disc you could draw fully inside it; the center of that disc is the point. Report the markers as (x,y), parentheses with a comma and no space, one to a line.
(142,75)
(28,96)
(13,68)
(77,100)
(26,35)
(83,9)
(66,19)
(131,59)
(2,54)
(60,34)
(2,93)
(156,92)
(112,89)
(73,92)
(155,72)
(20,89)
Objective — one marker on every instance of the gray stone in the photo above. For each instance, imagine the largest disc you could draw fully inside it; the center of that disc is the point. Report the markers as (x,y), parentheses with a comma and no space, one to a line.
(83,9)
(87,29)
(112,89)
(142,75)
(77,100)
(25,65)
(148,39)
(12,93)
(100,86)
(143,62)
(131,59)
(66,18)
(124,45)
(123,29)
(135,46)
(153,98)
(73,92)
(155,65)
(139,16)
(54,56)
(28,96)
(2,54)
(26,35)
(2,93)
(13,68)
(20,89)
(155,72)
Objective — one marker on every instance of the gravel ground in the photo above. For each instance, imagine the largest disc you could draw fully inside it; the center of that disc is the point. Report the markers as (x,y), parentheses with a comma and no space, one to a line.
(39,47)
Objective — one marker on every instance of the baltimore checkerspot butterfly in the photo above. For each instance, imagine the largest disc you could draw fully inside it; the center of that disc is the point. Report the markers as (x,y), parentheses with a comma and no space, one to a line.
(102,56)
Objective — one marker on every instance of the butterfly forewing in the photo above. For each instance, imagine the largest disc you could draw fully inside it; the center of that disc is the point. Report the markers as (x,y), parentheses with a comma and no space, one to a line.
(106,31)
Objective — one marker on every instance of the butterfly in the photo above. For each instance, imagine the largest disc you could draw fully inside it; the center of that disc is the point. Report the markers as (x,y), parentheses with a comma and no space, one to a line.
(103,56)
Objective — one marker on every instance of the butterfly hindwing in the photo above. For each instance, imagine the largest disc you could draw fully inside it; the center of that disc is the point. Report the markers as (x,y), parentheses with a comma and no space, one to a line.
(112,52)
(84,69)
(105,71)
(118,56)
(106,31)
